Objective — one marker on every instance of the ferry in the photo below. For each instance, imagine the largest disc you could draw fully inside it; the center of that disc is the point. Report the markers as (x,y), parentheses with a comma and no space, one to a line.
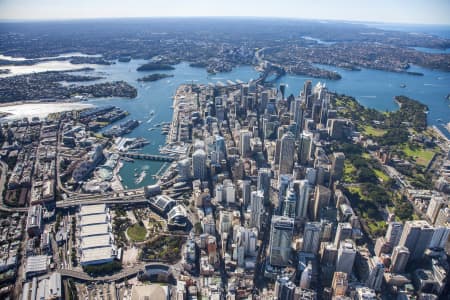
(141,177)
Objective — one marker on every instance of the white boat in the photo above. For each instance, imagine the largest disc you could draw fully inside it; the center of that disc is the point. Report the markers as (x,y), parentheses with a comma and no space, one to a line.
(141,177)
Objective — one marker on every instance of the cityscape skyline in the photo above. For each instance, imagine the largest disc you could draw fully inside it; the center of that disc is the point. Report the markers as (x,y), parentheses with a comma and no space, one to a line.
(416,12)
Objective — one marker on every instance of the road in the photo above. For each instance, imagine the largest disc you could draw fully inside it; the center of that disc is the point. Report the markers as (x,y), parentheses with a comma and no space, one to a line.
(100,199)
(125,273)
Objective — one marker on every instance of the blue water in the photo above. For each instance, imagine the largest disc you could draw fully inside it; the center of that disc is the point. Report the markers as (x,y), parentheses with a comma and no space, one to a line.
(371,88)
(156,96)
(442,31)
(432,50)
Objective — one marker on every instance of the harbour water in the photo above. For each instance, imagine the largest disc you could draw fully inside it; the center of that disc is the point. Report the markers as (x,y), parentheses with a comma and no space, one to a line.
(372,88)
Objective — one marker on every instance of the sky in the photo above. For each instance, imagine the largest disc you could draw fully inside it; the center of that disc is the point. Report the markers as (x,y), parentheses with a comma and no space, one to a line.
(388,11)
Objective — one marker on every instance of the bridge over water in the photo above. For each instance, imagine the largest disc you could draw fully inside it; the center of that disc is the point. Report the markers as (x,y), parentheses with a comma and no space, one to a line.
(271,69)
(153,157)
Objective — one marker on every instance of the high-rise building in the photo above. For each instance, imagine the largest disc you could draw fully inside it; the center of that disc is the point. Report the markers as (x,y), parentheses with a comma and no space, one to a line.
(416,236)
(302,199)
(284,288)
(337,165)
(263,183)
(399,259)
(246,191)
(339,284)
(287,153)
(440,237)
(436,203)
(376,274)
(343,232)
(346,257)
(256,209)
(247,239)
(229,191)
(305,278)
(311,237)
(306,93)
(199,164)
(322,196)
(393,233)
(284,183)
(281,233)
(245,143)
(220,147)
(184,169)
(219,193)
(225,219)
(329,254)
(305,147)
(443,218)
(290,202)
(297,115)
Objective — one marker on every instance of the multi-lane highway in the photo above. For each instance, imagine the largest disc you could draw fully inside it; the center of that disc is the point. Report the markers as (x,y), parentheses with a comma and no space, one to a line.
(125,273)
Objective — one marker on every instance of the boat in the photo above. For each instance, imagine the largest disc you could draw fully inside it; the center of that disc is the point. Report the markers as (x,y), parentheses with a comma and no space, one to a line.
(402,85)
(141,177)
(152,113)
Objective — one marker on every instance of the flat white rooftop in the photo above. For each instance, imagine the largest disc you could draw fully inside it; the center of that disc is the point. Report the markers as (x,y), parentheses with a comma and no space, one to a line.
(37,263)
(92,209)
(94,219)
(94,230)
(97,241)
(97,254)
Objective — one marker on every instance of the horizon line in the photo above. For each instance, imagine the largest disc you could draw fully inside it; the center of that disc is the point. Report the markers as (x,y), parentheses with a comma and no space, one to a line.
(365,22)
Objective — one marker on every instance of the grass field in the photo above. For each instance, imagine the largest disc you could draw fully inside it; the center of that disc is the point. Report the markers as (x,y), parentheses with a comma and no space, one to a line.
(369,130)
(381,175)
(137,233)
(420,155)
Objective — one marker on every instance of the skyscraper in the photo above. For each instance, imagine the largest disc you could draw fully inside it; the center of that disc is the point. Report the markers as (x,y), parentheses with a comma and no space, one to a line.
(416,236)
(305,147)
(399,259)
(306,93)
(302,199)
(337,165)
(440,237)
(297,115)
(287,153)
(311,237)
(343,232)
(220,147)
(245,142)
(393,233)
(436,203)
(322,196)
(346,257)
(246,191)
(256,209)
(290,203)
(305,278)
(199,164)
(443,218)
(376,274)
(263,183)
(281,233)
